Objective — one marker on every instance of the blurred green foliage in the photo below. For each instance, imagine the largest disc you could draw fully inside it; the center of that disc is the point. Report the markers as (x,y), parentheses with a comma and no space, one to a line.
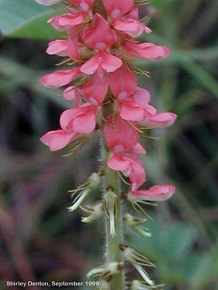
(39,239)
(28,22)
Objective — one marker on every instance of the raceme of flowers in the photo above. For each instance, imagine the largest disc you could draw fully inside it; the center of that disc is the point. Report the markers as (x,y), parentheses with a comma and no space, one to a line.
(99,50)
(101,47)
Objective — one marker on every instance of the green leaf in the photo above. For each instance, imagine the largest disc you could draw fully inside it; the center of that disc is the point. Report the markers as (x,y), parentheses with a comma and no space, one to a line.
(169,243)
(27,19)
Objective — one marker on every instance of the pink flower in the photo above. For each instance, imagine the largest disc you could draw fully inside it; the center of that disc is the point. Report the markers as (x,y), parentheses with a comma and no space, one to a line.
(57,140)
(130,165)
(69,47)
(160,120)
(68,20)
(122,139)
(79,120)
(58,47)
(136,107)
(155,193)
(133,101)
(60,78)
(74,123)
(131,27)
(101,61)
(147,50)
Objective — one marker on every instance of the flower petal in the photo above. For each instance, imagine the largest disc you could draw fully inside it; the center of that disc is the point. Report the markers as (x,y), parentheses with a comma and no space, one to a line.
(59,78)
(80,120)
(116,8)
(85,124)
(119,163)
(155,193)
(137,174)
(132,27)
(58,47)
(95,89)
(120,132)
(110,63)
(90,66)
(57,140)
(148,50)
(99,35)
(101,60)
(160,120)
(66,21)
(123,83)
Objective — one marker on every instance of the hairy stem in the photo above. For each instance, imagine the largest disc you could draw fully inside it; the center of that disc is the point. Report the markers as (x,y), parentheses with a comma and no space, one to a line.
(113,242)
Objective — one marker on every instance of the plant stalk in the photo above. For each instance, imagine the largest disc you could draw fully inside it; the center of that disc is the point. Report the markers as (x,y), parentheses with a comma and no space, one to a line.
(113,252)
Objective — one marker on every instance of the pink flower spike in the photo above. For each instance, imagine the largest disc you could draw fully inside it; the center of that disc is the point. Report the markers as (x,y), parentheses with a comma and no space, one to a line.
(117,8)
(122,82)
(80,120)
(148,50)
(160,120)
(101,61)
(60,78)
(57,140)
(58,47)
(155,193)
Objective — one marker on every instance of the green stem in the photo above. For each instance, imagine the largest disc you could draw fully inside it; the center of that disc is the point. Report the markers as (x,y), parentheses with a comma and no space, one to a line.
(113,252)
